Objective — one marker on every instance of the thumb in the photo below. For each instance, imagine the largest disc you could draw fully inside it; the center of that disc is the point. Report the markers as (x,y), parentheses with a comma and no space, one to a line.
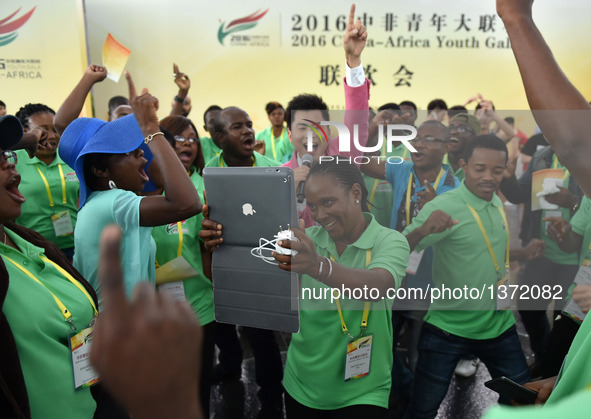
(302,224)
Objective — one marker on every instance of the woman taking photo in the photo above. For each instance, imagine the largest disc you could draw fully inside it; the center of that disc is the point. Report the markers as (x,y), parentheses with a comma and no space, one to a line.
(347,249)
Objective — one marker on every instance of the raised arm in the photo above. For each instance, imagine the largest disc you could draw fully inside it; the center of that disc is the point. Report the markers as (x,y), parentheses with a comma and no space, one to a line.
(184,84)
(73,104)
(180,200)
(560,110)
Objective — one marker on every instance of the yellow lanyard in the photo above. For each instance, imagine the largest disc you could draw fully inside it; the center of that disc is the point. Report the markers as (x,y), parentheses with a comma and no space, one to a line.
(489,245)
(273,140)
(409,187)
(555,166)
(446,159)
(63,179)
(222,161)
(376,181)
(366,305)
(63,309)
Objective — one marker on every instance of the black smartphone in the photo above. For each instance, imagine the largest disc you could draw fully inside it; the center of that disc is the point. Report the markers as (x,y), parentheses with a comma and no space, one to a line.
(511,390)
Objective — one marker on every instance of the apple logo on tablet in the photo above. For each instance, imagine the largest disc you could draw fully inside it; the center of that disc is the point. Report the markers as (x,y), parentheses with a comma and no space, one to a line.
(247,209)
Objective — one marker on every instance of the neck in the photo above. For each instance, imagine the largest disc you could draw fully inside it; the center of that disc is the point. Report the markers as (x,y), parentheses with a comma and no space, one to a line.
(277,130)
(454,159)
(353,236)
(46,159)
(232,161)
(428,175)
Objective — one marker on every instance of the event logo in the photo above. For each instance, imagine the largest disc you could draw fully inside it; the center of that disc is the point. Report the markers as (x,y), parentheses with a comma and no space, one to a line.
(8,28)
(242,24)
(315,127)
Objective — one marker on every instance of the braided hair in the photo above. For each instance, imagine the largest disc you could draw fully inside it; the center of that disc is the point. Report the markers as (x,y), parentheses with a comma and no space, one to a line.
(346,173)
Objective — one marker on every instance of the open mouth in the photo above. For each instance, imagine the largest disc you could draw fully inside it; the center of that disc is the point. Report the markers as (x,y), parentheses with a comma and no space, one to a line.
(328,226)
(12,189)
(490,187)
(142,172)
(186,156)
(248,143)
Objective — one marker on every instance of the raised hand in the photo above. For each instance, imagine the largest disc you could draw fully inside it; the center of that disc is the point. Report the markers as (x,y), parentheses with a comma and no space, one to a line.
(354,41)
(181,79)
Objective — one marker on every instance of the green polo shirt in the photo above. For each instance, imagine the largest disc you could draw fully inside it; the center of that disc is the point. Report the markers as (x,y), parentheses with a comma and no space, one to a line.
(258,159)
(198,289)
(581,224)
(210,150)
(275,148)
(380,193)
(41,334)
(460,174)
(36,211)
(315,366)
(461,258)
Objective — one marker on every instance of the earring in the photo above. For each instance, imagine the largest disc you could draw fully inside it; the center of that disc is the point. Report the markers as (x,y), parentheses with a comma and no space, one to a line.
(112,185)
(357,201)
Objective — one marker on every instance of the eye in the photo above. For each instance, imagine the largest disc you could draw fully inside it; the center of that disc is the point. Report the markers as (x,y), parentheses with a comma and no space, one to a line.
(327,202)
(312,207)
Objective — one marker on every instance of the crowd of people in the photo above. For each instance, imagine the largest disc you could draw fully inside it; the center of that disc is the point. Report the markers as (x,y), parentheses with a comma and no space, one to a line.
(91,209)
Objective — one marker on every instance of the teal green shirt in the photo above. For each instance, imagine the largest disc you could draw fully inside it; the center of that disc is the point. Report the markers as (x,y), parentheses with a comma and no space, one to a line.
(315,366)
(41,334)
(121,207)
(258,159)
(275,148)
(37,211)
(461,258)
(198,289)
(210,150)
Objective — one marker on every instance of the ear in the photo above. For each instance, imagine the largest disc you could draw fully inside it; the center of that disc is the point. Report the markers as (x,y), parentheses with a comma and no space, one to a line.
(463,164)
(289,135)
(356,191)
(220,138)
(100,172)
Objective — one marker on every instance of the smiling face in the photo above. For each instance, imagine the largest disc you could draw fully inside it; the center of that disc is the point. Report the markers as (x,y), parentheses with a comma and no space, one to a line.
(430,153)
(334,207)
(45,120)
(462,132)
(127,170)
(237,139)
(10,197)
(484,171)
(187,150)
(298,135)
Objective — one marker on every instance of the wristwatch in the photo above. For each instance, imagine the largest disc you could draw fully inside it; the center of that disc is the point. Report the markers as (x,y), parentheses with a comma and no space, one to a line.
(179,99)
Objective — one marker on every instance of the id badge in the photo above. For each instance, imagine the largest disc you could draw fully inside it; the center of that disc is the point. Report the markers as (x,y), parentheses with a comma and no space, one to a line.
(358,358)
(80,344)
(503,293)
(62,223)
(414,261)
(175,289)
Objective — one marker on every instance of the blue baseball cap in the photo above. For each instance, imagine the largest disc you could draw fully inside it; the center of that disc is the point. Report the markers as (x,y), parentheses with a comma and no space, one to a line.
(90,135)
(11,131)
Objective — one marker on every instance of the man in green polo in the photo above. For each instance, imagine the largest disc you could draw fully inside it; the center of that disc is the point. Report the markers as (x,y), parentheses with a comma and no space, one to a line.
(471,259)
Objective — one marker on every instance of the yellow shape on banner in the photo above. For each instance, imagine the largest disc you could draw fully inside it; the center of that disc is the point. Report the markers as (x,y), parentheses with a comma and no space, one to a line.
(115,57)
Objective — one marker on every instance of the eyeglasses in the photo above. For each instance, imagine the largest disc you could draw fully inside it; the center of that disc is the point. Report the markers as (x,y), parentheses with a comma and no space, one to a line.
(8,156)
(460,129)
(180,139)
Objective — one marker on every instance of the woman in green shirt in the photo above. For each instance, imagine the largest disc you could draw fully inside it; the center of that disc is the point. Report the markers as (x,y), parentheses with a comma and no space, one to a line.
(181,240)
(339,364)
(276,142)
(43,300)
(50,185)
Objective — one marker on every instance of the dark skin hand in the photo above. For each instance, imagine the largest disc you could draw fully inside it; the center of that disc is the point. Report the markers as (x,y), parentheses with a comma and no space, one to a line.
(426,195)
(564,198)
